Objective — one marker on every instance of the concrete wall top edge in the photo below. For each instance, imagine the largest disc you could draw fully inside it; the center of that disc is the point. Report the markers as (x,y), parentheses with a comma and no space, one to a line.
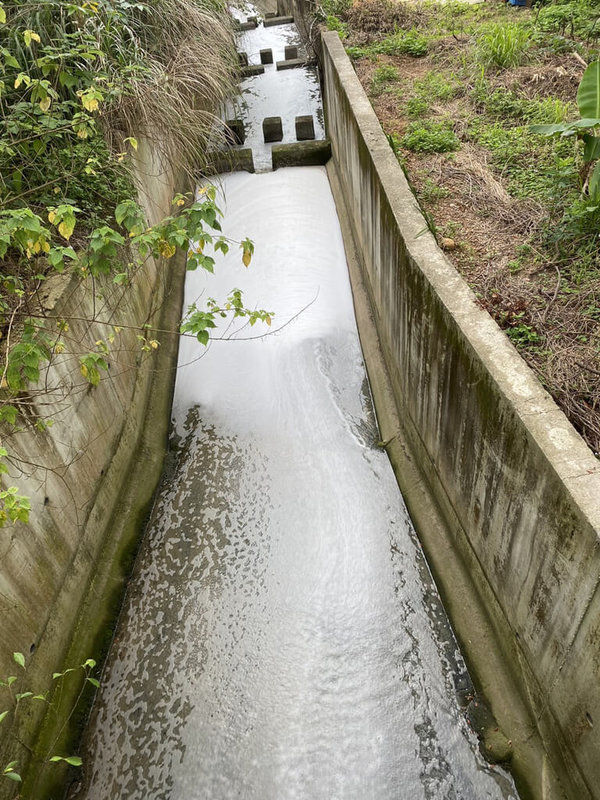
(547,425)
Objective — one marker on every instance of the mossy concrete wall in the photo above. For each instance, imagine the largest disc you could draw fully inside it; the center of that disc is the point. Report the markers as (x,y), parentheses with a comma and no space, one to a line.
(517,488)
(90,476)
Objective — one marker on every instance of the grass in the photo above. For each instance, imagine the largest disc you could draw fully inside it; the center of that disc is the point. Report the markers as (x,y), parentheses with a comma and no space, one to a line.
(528,163)
(430,137)
(409,42)
(382,77)
(503,45)
(494,70)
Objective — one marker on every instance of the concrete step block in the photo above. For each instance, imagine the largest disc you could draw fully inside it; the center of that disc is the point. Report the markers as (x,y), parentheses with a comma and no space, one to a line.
(235,133)
(243,59)
(272,129)
(291,51)
(252,69)
(266,56)
(268,23)
(301,154)
(305,128)
(230,161)
(292,63)
(246,26)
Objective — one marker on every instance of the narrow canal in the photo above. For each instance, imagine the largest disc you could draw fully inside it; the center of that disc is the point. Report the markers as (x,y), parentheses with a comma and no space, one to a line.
(282,637)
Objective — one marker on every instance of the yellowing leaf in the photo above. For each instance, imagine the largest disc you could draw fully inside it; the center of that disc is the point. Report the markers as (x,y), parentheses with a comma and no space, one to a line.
(84,370)
(2,15)
(46,247)
(82,133)
(66,228)
(51,217)
(45,104)
(165,249)
(30,36)
(268,321)
(89,103)
(246,258)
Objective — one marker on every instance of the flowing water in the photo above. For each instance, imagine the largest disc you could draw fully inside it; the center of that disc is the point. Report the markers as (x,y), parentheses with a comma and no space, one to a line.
(282,637)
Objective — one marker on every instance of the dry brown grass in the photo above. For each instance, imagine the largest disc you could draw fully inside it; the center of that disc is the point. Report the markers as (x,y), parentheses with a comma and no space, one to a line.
(187,50)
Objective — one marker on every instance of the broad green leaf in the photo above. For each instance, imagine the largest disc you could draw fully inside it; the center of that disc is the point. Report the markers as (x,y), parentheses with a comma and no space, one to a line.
(549,130)
(594,185)
(14,776)
(588,94)
(74,761)
(591,150)
(19,658)
(94,682)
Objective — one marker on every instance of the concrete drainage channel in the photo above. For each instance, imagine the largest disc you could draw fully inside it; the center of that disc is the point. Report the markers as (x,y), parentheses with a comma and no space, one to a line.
(279,108)
(282,636)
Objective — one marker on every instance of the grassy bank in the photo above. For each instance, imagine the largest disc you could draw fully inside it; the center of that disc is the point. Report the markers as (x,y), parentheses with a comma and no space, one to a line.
(456,88)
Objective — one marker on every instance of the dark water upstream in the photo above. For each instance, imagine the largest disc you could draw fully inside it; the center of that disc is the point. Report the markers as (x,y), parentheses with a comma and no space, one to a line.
(282,638)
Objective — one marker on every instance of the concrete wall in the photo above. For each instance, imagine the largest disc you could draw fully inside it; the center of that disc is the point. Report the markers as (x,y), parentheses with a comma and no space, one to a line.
(90,476)
(517,487)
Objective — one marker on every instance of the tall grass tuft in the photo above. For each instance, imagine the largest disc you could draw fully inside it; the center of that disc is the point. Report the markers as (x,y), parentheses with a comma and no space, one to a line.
(503,45)
(174,61)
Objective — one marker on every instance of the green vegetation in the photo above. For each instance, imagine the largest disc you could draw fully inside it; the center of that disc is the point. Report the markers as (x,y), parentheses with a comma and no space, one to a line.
(430,137)
(80,85)
(382,77)
(18,698)
(503,45)
(399,43)
(491,78)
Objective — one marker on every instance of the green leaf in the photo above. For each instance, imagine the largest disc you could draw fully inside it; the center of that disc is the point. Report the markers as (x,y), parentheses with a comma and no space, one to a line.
(202,337)
(14,776)
(588,94)
(19,658)
(549,130)
(594,185)
(94,682)
(3,715)
(74,761)
(591,150)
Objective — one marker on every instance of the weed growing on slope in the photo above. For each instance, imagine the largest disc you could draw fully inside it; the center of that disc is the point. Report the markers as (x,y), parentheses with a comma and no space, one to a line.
(428,136)
(503,45)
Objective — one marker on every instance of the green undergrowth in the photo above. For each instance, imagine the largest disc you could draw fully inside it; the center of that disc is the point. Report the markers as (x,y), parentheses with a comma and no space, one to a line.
(456,85)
